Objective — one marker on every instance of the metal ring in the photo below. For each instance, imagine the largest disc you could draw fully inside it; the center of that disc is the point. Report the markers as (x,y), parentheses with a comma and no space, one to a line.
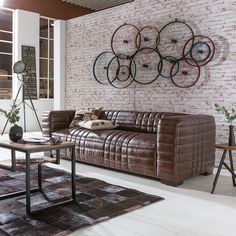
(123,55)
(132,74)
(104,67)
(185,73)
(200,51)
(161,66)
(211,50)
(139,39)
(146,66)
(118,73)
(176,31)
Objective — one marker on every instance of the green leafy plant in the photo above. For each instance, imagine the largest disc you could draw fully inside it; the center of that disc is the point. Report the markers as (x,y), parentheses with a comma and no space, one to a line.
(230,115)
(12,115)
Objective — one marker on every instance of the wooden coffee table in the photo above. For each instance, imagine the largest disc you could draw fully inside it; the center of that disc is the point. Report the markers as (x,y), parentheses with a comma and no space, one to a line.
(33,148)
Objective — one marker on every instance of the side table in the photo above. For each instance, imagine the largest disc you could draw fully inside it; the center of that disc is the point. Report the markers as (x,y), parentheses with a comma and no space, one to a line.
(28,149)
(226,149)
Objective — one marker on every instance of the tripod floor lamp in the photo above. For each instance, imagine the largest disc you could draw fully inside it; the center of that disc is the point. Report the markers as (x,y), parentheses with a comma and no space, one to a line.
(19,68)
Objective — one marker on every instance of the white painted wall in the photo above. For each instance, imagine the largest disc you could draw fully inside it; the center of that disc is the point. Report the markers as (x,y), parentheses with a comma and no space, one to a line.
(59,65)
(26,32)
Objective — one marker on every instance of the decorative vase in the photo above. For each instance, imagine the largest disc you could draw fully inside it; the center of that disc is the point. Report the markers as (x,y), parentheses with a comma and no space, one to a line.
(231,136)
(15,133)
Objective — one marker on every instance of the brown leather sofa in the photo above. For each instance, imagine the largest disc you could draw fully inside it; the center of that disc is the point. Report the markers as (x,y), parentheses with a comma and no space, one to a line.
(168,146)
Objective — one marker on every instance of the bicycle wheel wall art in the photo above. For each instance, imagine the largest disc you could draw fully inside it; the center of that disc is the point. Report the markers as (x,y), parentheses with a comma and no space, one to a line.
(144,55)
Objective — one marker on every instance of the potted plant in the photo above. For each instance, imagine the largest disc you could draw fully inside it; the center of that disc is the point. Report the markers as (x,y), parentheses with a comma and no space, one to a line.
(230,116)
(15,132)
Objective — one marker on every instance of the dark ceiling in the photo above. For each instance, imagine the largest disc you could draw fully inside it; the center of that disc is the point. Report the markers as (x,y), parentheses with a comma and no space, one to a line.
(63,9)
(51,8)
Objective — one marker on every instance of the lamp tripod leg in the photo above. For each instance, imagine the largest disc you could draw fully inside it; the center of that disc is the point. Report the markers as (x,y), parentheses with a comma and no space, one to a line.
(33,108)
(24,113)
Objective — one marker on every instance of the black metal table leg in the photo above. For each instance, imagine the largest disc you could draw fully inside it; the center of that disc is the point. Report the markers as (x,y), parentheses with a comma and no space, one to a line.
(232,166)
(73,189)
(218,171)
(27,180)
(40,176)
(13,160)
(73,185)
(58,156)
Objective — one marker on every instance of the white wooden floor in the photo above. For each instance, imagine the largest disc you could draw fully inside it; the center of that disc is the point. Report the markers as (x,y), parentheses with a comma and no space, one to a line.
(188,210)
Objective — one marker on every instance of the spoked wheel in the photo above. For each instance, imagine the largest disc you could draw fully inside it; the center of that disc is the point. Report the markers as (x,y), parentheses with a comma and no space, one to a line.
(200,48)
(173,37)
(146,65)
(122,75)
(187,74)
(148,38)
(123,41)
(165,65)
(100,67)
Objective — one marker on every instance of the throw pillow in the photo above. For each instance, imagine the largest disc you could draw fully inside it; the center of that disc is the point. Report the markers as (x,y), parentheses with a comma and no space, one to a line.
(85,114)
(98,124)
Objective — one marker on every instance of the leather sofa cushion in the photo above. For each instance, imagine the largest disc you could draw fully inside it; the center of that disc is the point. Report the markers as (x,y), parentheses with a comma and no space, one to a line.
(128,148)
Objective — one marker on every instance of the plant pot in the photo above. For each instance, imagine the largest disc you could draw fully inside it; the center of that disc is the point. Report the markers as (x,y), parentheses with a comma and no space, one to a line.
(15,133)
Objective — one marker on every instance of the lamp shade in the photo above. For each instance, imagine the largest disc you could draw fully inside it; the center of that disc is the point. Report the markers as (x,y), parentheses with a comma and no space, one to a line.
(19,67)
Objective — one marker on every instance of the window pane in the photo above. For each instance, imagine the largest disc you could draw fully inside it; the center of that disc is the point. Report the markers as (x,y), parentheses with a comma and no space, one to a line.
(51,88)
(51,69)
(46,58)
(43,88)
(5,88)
(51,51)
(5,60)
(43,68)
(51,29)
(43,28)
(5,64)
(6,20)
(6,47)
(5,36)
(44,48)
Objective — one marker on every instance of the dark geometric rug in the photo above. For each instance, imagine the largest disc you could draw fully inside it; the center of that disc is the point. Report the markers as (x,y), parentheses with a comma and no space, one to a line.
(97,201)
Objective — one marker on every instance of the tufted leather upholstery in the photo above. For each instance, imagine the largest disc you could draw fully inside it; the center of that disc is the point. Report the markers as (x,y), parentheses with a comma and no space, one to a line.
(168,146)
(136,121)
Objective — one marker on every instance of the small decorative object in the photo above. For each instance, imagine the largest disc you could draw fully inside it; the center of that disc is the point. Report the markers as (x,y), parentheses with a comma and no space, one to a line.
(15,132)
(230,116)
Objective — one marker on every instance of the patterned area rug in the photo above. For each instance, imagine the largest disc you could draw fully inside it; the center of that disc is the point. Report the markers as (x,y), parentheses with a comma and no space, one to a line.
(96,201)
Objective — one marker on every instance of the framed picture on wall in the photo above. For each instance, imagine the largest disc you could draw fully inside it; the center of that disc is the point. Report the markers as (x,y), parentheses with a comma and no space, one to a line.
(29,78)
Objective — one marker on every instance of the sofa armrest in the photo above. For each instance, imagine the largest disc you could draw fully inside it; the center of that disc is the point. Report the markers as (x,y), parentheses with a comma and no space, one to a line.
(56,120)
(185,146)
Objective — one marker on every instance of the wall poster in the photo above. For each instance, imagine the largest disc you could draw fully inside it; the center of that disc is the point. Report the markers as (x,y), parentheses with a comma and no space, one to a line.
(29,78)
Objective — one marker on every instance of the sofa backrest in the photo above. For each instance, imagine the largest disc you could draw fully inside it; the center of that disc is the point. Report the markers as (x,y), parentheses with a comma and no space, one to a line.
(136,121)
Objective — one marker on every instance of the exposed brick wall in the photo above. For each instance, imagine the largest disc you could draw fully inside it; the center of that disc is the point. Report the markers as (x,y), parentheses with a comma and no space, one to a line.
(89,35)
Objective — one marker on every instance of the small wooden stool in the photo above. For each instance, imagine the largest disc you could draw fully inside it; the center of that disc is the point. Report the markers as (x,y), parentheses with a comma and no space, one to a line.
(226,149)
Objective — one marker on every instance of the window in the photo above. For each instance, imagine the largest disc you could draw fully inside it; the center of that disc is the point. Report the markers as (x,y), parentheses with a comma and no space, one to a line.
(46,58)
(6,53)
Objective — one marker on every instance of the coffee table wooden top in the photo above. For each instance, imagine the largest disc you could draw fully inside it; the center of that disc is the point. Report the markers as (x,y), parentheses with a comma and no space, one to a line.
(29,147)
(225,146)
